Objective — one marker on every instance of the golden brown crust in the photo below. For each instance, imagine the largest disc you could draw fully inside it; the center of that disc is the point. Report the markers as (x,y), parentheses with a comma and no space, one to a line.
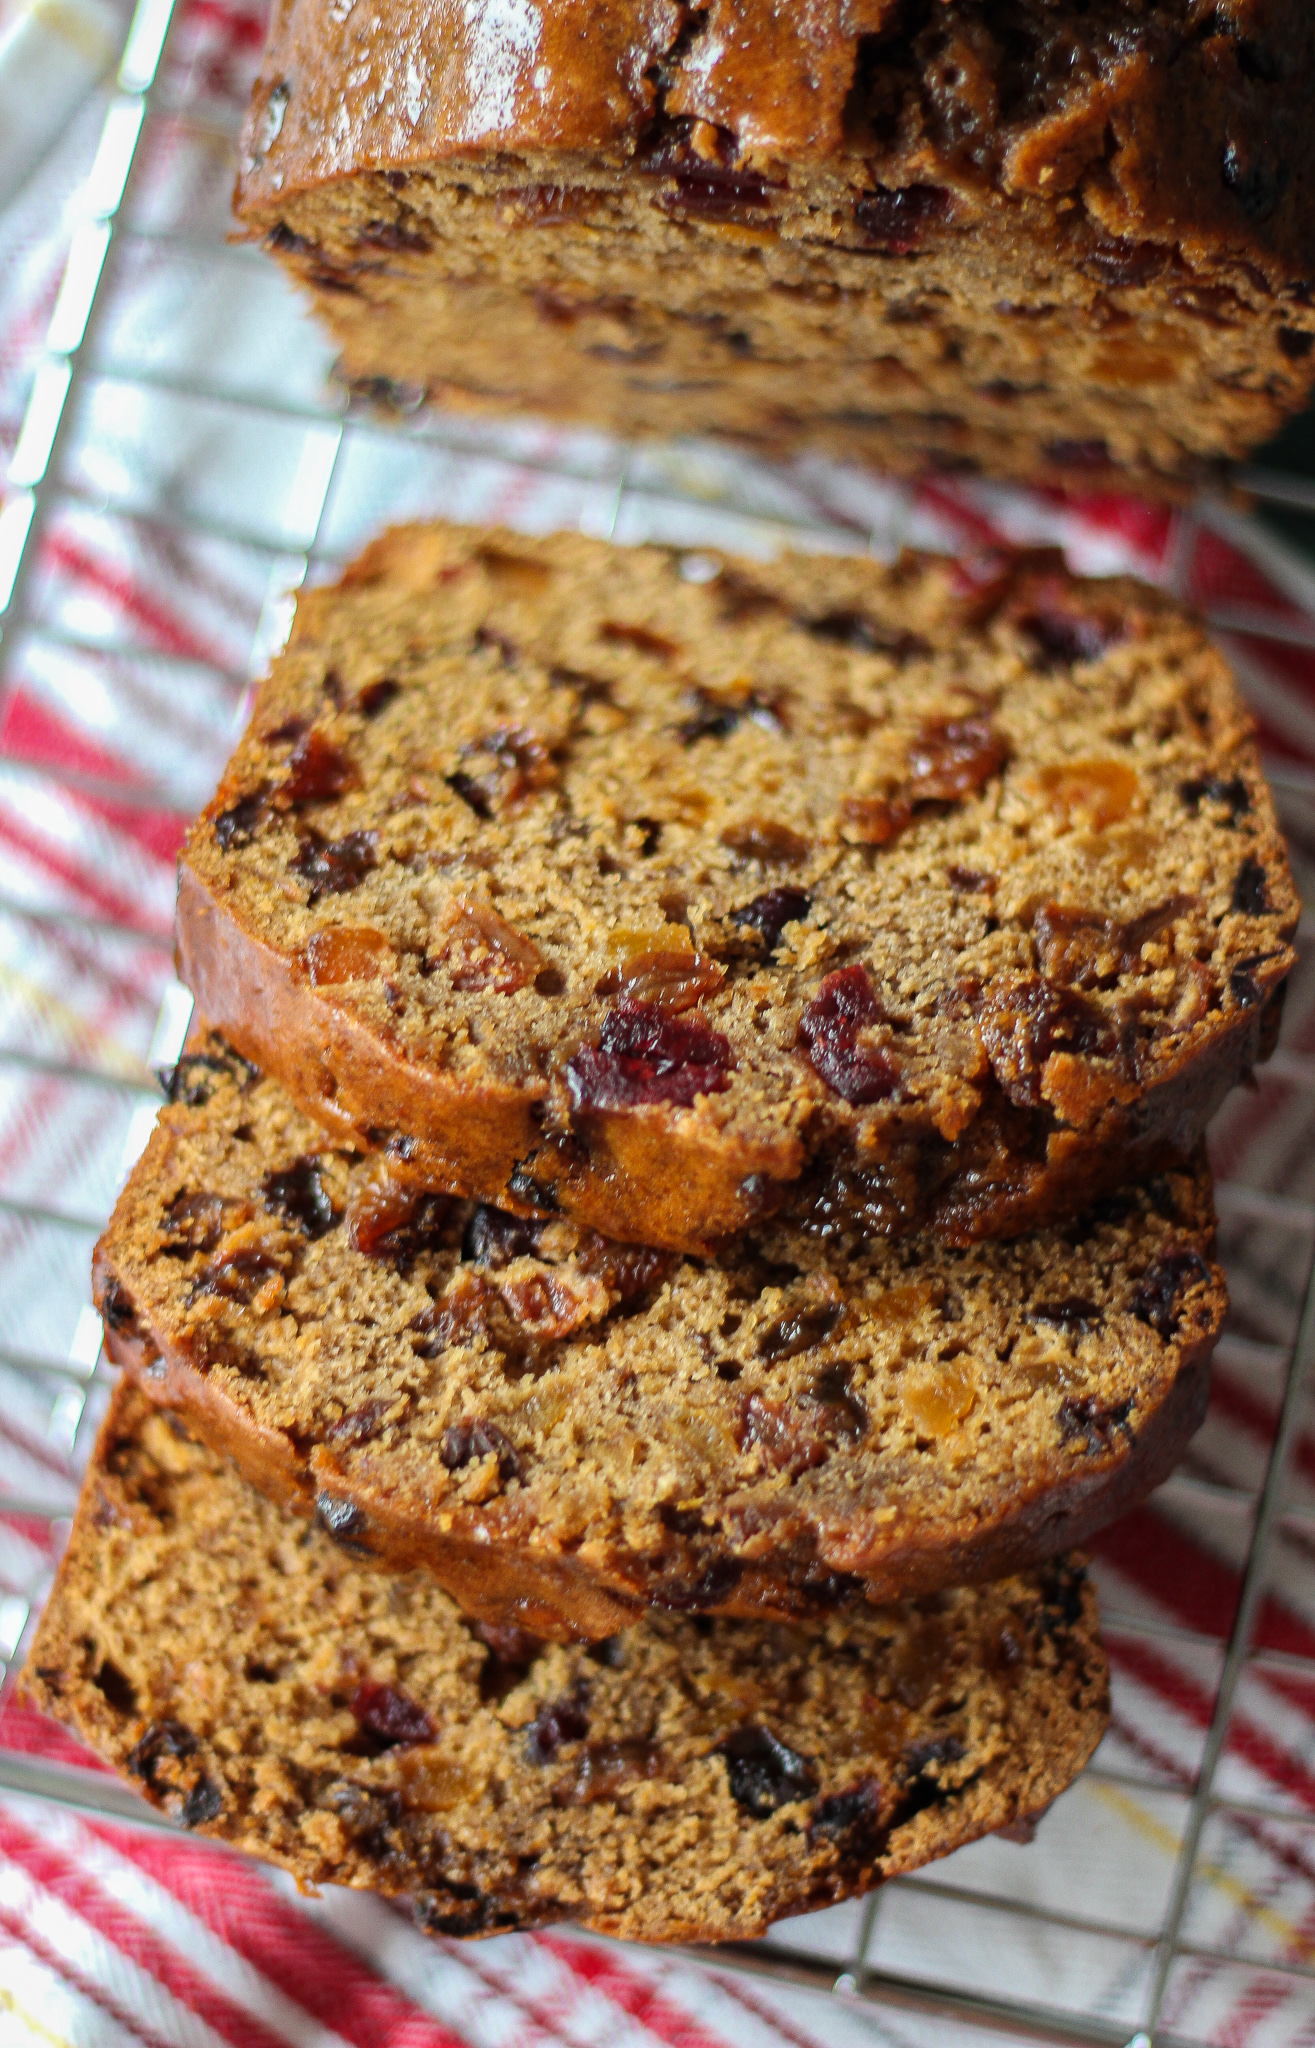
(780,1435)
(688,1783)
(464,1066)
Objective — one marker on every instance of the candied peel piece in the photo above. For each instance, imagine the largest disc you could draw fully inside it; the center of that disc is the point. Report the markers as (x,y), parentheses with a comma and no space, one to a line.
(345,952)
(1090,795)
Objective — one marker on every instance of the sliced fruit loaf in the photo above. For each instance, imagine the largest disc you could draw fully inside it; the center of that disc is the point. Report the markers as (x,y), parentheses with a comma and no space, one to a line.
(566,1430)
(686,1780)
(672,891)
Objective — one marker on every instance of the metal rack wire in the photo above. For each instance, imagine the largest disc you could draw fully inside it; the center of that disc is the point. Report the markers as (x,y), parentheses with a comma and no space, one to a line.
(607,490)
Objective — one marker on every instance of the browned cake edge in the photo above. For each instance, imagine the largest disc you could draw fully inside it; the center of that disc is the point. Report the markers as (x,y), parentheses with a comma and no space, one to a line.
(189,1778)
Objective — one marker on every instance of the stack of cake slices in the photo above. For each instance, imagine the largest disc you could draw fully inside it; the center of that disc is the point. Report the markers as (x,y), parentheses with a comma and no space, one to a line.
(682,1203)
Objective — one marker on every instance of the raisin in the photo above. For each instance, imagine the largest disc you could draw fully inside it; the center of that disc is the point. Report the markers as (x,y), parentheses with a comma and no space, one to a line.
(845,1005)
(317,770)
(765,839)
(852,1817)
(469,1308)
(1064,638)
(557,1722)
(290,729)
(358,1425)
(1249,898)
(481,950)
(796,1436)
(465,1443)
(204,1802)
(342,1520)
(471,793)
(115,1687)
(493,1238)
(393,235)
(1076,1316)
(1232,795)
(333,867)
(536,1194)
(867,636)
(1023,1022)
(970,881)
(642,637)
(1084,949)
(798,1330)
(298,1192)
(389,1717)
(1295,343)
(672,981)
(1089,1421)
(1090,454)
(162,1739)
(769,914)
(394,1223)
(947,761)
(1127,264)
(195,1224)
(237,825)
(894,220)
(1156,1298)
(713,1585)
(713,717)
(920,1788)
(630,1271)
(194,1079)
(376,697)
(606,1769)
(763,1772)
(645,1056)
(236,1276)
(510,763)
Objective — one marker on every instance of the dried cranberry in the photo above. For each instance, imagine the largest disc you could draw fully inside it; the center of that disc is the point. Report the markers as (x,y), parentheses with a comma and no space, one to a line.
(333,867)
(894,220)
(770,913)
(395,1224)
(715,718)
(799,1329)
(844,1006)
(493,1238)
(852,1817)
(1063,638)
(1249,897)
(387,1715)
(1232,795)
(1155,1301)
(644,1055)
(854,629)
(763,1772)
(557,1722)
(1088,1420)
(465,1443)
(317,769)
(237,825)
(709,192)
(376,697)
(298,1192)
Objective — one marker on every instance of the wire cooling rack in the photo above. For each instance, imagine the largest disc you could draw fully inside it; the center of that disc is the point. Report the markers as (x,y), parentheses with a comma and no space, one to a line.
(182,426)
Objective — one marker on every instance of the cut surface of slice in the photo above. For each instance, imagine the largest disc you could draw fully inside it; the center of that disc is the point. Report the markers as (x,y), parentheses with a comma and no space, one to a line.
(669,891)
(566,1430)
(686,1780)
(1054,241)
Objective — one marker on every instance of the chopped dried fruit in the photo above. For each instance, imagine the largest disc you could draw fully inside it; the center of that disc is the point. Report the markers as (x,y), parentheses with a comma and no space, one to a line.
(1085,949)
(642,637)
(390,1717)
(236,826)
(238,1275)
(629,1271)
(317,769)
(895,219)
(831,1029)
(493,1238)
(376,697)
(550,1303)
(867,636)
(556,1723)
(502,768)
(1089,794)
(1077,1316)
(765,839)
(1249,897)
(465,1443)
(334,867)
(1156,1300)
(770,913)
(1024,1021)
(468,1308)
(936,1398)
(194,1224)
(672,981)
(396,1223)
(799,1329)
(604,1770)
(764,1773)
(298,1193)
(716,718)
(483,951)
(346,952)
(950,759)
(1087,1420)
(845,1816)
(1229,793)
(645,1056)
(1063,636)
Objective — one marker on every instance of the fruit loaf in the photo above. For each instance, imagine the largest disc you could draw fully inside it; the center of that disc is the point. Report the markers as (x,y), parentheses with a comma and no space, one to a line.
(566,1431)
(687,1779)
(1067,241)
(670,891)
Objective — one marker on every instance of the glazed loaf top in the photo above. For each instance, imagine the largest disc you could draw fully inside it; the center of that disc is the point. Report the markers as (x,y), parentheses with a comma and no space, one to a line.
(1167,119)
